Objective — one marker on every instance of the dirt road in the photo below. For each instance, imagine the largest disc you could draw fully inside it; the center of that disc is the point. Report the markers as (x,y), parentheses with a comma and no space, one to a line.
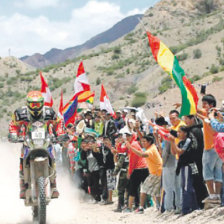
(68,209)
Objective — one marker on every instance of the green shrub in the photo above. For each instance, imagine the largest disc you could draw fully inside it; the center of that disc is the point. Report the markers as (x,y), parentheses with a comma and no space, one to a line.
(26,79)
(214,69)
(132,41)
(2,94)
(36,88)
(56,83)
(140,94)
(2,79)
(117,50)
(18,71)
(166,84)
(132,89)
(217,79)
(206,74)
(119,76)
(218,51)
(221,61)
(119,65)
(202,36)
(11,81)
(64,90)
(222,40)
(32,73)
(195,78)
(17,95)
(129,36)
(4,110)
(139,99)
(115,56)
(110,72)
(1,85)
(98,81)
(128,70)
(9,92)
(182,57)
(206,6)
(197,53)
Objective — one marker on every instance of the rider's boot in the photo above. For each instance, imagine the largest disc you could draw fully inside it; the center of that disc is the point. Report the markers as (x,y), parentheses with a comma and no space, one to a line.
(54,190)
(22,185)
(22,194)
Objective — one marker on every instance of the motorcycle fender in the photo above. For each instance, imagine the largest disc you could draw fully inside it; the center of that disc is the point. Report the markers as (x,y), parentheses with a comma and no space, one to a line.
(41,167)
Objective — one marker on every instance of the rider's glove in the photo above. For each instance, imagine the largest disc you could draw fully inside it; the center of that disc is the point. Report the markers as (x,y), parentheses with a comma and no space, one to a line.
(12,137)
(63,138)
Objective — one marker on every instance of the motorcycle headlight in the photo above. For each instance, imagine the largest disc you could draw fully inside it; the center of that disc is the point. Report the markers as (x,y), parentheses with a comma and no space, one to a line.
(38,142)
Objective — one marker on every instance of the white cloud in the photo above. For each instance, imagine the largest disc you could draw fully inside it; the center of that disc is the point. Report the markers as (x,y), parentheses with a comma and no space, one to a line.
(36,4)
(136,11)
(28,35)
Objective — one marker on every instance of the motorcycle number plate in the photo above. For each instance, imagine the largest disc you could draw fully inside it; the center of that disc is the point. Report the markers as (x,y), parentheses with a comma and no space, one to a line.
(38,133)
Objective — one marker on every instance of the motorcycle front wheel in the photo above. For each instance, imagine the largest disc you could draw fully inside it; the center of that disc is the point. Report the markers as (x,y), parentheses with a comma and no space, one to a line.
(41,201)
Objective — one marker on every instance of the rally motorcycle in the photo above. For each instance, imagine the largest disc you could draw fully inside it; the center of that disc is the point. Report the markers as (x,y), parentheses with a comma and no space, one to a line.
(38,168)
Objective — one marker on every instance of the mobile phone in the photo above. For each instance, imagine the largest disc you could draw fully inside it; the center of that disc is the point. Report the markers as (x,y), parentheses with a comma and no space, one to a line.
(203,89)
(174,133)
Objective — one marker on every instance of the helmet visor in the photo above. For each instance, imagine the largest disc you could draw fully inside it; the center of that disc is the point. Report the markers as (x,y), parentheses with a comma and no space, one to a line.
(34,105)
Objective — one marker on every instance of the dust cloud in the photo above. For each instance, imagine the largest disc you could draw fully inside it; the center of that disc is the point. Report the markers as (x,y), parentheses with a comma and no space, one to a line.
(69,210)
(12,209)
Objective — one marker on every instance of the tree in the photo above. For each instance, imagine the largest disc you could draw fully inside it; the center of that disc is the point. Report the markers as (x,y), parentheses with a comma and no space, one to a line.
(197,53)
(98,81)
(206,6)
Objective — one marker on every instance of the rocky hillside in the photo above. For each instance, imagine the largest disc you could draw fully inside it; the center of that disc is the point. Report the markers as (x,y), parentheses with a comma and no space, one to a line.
(55,56)
(193,30)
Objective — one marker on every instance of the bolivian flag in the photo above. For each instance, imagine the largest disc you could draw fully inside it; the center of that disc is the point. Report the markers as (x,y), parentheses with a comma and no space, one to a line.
(170,64)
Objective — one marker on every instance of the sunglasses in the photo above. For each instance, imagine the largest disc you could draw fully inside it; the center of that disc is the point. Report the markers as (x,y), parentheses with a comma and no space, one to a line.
(35,104)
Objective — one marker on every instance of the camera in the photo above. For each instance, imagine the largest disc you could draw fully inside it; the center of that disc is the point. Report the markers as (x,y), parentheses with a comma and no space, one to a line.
(215,113)
(203,89)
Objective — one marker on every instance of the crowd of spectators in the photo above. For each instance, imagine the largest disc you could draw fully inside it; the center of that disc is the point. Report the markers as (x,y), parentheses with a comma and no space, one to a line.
(174,163)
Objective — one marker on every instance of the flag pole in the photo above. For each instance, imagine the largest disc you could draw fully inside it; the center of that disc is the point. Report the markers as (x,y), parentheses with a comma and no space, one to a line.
(140,21)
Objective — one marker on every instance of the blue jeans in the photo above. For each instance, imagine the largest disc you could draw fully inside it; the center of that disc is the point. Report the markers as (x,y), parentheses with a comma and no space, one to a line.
(189,196)
(178,192)
(222,191)
(171,185)
(212,166)
(168,178)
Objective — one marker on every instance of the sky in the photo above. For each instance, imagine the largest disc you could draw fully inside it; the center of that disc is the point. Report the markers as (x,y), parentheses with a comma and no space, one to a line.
(36,26)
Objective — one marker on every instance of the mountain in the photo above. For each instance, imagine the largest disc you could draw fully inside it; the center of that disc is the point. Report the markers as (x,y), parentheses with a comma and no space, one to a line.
(192,29)
(55,56)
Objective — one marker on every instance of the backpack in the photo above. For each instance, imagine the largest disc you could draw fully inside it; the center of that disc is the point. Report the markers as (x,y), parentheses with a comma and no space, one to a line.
(188,156)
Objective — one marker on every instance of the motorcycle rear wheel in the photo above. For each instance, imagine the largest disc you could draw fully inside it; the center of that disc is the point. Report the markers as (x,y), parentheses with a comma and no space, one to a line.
(41,201)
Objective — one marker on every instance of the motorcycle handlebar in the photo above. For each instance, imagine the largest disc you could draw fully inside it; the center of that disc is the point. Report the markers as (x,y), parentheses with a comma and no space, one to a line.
(20,140)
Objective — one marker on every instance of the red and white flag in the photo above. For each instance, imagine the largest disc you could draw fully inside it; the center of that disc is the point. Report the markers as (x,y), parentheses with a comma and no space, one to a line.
(81,82)
(60,111)
(105,102)
(48,100)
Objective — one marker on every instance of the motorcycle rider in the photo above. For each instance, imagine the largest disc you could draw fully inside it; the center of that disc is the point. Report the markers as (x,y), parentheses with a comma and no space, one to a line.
(22,117)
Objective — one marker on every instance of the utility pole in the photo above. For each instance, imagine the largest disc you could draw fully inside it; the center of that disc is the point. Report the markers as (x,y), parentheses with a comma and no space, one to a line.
(9,51)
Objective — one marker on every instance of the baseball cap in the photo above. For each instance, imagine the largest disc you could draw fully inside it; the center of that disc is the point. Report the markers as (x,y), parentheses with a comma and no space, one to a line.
(127,132)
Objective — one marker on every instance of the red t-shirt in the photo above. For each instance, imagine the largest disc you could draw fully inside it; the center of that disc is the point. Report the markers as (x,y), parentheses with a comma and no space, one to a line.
(219,144)
(136,162)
